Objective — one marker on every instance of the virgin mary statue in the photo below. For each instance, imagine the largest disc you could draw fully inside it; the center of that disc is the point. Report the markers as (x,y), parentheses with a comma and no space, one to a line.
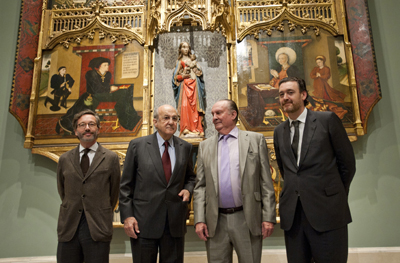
(188,85)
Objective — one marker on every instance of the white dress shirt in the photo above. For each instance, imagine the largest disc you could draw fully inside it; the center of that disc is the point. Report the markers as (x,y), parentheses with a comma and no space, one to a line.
(90,154)
(302,119)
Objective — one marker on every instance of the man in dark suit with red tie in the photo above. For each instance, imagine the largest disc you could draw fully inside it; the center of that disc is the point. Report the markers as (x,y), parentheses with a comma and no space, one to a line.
(317,163)
(156,187)
(88,183)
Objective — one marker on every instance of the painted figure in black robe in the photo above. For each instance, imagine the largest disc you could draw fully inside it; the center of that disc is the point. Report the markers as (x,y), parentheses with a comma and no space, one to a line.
(61,84)
(99,89)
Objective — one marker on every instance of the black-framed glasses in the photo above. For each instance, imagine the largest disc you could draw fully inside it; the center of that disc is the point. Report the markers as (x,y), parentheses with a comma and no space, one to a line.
(90,124)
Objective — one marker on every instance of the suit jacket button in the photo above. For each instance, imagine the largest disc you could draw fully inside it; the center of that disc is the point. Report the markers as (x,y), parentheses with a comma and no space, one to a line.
(297,192)
(83,196)
(80,211)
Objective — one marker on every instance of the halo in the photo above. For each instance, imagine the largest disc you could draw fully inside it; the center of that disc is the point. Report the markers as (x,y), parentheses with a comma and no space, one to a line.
(288,51)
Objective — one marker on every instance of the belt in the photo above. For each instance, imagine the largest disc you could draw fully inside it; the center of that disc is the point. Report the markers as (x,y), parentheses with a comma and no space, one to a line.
(230,210)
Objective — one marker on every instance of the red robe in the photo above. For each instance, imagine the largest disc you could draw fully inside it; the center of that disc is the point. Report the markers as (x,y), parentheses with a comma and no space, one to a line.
(188,109)
(321,87)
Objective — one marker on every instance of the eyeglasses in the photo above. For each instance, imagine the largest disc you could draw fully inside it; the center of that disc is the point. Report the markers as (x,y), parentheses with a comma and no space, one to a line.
(83,125)
(167,118)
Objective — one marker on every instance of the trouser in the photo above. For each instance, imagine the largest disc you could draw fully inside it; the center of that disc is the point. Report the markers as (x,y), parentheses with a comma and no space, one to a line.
(145,250)
(303,242)
(82,248)
(232,232)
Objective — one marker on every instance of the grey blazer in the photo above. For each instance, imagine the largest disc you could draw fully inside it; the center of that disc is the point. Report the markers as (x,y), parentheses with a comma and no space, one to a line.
(324,174)
(96,193)
(257,188)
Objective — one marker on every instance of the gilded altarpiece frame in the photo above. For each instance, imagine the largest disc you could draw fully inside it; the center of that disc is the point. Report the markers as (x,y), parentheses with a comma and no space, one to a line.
(78,34)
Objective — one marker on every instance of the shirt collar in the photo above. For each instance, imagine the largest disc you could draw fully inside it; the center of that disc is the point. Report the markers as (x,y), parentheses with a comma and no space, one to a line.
(301,118)
(92,148)
(161,141)
(233,133)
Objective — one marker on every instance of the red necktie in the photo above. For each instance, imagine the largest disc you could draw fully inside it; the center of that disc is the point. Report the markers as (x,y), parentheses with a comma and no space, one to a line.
(166,162)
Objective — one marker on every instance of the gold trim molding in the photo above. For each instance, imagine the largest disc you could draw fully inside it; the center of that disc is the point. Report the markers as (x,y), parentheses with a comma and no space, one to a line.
(72,24)
(255,16)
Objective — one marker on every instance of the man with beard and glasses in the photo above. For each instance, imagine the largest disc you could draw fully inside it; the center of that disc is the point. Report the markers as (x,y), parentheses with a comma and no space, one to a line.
(317,162)
(88,183)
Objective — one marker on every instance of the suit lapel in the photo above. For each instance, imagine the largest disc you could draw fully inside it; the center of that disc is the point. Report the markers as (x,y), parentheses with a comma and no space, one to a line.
(76,162)
(287,144)
(154,152)
(97,159)
(244,142)
(213,160)
(178,158)
(309,130)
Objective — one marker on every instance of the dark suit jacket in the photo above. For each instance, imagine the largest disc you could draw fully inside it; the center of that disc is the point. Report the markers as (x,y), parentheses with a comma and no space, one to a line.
(96,193)
(144,192)
(322,180)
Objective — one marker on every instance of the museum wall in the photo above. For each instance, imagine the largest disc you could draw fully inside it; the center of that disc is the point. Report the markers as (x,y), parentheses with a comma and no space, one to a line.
(29,201)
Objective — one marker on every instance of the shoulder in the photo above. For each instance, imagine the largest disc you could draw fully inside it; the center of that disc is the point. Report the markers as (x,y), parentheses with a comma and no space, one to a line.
(321,114)
(107,151)
(326,118)
(281,125)
(292,68)
(141,140)
(91,73)
(251,134)
(209,140)
(67,154)
(183,142)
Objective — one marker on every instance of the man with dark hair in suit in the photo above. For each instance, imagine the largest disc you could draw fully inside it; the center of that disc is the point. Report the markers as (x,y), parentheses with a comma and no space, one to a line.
(317,162)
(234,198)
(156,187)
(88,183)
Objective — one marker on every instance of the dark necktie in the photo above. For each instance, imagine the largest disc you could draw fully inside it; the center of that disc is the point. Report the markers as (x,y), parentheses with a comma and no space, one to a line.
(166,162)
(295,142)
(85,161)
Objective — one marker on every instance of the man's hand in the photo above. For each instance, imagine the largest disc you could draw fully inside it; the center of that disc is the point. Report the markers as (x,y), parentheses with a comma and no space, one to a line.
(131,227)
(202,231)
(184,194)
(113,89)
(267,229)
(274,73)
